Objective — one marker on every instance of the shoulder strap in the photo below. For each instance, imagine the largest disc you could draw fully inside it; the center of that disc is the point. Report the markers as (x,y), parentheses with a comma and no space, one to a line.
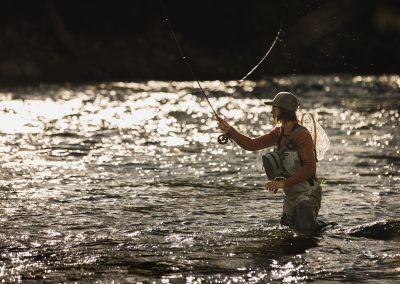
(295,129)
(279,139)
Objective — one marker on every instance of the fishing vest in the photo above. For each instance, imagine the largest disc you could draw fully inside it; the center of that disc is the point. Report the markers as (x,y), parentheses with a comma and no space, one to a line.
(284,161)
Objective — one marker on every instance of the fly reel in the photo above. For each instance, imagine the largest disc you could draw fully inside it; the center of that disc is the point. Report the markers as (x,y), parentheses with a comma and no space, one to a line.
(223,139)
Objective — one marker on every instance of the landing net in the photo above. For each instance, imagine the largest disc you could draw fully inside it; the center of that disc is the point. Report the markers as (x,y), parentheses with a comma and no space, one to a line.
(319,136)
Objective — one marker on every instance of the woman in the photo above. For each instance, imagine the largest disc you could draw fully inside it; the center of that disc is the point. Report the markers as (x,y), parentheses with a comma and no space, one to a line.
(302,199)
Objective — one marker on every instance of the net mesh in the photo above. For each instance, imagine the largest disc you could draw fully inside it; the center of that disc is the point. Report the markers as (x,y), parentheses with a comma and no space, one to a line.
(320,138)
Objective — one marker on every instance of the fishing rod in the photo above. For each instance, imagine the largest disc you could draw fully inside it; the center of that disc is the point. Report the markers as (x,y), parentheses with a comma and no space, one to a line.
(223,138)
(277,37)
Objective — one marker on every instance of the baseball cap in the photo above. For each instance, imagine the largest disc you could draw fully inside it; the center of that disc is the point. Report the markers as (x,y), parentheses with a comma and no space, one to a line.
(284,100)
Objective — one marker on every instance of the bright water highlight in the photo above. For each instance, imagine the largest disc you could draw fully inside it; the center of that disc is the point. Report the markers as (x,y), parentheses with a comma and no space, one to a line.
(126,182)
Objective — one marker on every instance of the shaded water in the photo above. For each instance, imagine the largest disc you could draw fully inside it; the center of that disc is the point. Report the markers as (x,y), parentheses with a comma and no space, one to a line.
(126,182)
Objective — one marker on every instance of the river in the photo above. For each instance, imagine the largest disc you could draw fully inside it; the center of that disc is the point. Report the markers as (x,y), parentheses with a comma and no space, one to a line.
(125,182)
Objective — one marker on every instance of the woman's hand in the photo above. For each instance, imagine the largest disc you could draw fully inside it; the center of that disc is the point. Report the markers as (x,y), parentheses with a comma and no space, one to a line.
(223,125)
(274,185)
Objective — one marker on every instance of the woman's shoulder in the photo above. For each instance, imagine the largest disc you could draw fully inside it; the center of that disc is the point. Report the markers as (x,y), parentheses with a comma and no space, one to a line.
(276,131)
(303,133)
(277,128)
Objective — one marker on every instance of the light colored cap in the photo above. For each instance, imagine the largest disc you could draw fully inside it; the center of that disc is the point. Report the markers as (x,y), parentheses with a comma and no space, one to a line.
(284,100)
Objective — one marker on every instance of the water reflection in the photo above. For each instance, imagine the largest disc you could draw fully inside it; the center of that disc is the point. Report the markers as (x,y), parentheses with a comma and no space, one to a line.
(125,182)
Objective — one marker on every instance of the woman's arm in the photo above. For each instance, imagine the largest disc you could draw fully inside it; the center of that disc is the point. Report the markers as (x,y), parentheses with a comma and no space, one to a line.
(246,142)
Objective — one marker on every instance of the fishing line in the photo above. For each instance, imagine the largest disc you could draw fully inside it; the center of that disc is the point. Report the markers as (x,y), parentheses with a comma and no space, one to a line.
(223,138)
(269,50)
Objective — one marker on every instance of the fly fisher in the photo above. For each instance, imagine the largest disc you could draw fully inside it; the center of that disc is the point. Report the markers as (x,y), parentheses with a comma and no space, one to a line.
(292,164)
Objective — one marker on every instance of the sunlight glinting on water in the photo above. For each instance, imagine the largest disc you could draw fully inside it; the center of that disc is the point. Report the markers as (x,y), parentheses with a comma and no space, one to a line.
(128,179)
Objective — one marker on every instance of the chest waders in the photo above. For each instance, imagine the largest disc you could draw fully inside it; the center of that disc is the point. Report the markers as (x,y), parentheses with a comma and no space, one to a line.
(302,201)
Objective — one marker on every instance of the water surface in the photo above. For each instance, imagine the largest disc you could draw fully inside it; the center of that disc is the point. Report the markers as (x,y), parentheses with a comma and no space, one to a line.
(126,182)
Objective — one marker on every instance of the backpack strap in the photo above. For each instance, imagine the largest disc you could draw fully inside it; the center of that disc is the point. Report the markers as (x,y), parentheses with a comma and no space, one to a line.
(279,139)
(295,129)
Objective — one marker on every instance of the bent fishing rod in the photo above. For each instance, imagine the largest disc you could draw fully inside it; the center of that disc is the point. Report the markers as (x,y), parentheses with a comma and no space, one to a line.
(277,37)
(223,138)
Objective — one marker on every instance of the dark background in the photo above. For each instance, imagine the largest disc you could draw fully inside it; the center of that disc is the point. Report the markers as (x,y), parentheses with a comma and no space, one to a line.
(130,40)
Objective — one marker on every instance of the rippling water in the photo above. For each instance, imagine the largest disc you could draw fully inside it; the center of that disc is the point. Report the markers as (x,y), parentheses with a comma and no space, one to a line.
(126,182)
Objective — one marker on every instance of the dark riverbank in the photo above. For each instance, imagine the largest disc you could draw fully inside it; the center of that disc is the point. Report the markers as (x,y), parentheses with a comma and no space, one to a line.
(129,40)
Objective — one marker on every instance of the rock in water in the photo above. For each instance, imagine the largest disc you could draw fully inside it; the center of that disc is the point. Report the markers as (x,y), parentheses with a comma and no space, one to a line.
(379,230)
